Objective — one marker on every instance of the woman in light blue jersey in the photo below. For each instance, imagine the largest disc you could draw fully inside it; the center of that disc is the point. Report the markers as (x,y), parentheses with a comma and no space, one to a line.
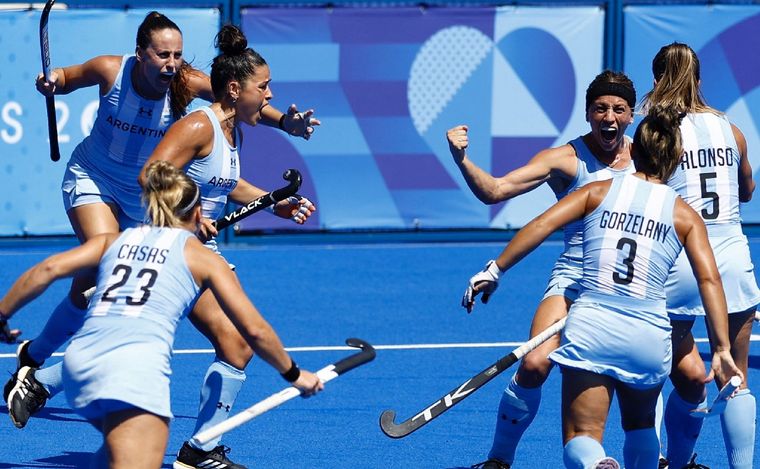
(602,153)
(714,176)
(117,367)
(617,337)
(206,144)
(141,95)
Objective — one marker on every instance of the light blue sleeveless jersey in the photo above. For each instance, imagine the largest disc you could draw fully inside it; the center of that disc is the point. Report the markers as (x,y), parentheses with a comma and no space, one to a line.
(123,351)
(629,241)
(568,269)
(125,132)
(618,326)
(216,174)
(707,179)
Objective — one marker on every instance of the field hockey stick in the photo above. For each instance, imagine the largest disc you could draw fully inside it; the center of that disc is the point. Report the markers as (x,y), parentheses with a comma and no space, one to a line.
(55,152)
(719,403)
(332,371)
(266,200)
(443,404)
(757,316)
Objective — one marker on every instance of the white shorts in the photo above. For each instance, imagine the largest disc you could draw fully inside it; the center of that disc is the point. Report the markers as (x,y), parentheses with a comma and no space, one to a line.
(565,279)
(736,270)
(624,338)
(116,367)
(83,185)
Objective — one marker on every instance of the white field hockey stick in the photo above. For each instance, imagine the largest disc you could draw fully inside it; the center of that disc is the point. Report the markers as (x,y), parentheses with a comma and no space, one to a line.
(55,152)
(367,354)
(719,403)
(266,200)
(443,404)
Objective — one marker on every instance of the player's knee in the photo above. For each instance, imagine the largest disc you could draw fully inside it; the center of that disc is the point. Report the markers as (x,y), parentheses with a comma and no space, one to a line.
(534,370)
(233,349)
(638,421)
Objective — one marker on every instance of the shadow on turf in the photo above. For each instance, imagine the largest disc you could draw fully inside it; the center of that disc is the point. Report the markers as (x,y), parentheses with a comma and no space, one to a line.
(67,459)
(59,414)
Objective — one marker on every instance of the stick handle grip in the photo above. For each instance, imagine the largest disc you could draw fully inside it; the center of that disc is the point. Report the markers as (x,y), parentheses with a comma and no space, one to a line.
(55,152)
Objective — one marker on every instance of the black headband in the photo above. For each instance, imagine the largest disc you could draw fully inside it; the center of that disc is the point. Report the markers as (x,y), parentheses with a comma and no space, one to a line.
(184,210)
(611,89)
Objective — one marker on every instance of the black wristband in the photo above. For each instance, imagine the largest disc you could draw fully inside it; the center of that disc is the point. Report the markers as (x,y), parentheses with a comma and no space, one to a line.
(292,374)
(281,125)
(3,320)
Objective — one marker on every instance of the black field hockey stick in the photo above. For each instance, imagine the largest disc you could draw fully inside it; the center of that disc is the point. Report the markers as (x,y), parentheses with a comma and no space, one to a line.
(443,404)
(332,371)
(55,152)
(266,200)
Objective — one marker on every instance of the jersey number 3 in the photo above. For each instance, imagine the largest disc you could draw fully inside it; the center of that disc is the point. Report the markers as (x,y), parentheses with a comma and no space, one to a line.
(622,244)
(146,278)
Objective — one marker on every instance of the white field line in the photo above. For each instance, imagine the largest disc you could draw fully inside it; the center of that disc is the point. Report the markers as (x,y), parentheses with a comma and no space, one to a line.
(325,348)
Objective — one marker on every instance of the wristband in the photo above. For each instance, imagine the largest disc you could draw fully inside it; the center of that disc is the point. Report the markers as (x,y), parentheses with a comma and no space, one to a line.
(3,320)
(292,374)
(281,124)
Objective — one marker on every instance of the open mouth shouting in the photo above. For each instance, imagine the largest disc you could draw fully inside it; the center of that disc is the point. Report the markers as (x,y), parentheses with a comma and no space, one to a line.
(166,77)
(608,134)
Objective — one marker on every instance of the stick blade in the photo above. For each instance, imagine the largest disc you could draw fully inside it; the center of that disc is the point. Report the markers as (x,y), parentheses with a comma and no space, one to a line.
(390,428)
(399,430)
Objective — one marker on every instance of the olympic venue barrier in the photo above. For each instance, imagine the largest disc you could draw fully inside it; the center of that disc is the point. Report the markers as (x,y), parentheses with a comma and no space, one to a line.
(386,79)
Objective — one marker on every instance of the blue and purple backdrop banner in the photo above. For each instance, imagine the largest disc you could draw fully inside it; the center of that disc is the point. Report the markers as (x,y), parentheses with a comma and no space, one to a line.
(725,38)
(388,82)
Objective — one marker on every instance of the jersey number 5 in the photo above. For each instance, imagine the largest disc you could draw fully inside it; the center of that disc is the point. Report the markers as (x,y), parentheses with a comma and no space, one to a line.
(146,279)
(627,262)
(712,196)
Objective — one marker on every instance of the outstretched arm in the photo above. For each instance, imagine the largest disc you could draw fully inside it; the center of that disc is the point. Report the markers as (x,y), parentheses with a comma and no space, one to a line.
(569,208)
(554,162)
(101,71)
(35,281)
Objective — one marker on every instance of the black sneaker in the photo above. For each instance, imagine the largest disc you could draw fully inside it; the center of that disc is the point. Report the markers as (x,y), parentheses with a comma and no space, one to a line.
(663,464)
(26,398)
(693,464)
(22,359)
(491,464)
(191,458)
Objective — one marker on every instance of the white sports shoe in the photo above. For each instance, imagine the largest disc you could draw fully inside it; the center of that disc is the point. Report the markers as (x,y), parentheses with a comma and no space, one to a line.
(606,463)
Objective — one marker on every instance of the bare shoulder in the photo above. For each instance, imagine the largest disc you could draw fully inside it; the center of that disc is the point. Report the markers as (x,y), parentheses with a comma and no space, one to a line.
(198,258)
(596,192)
(739,136)
(107,66)
(562,159)
(195,126)
(685,218)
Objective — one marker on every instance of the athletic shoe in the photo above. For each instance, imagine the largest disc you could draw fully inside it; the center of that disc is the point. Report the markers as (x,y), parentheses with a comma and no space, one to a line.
(693,463)
(606,463)
(491,464)
(26,398)
(663,464)
(191,458)
(22,359)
